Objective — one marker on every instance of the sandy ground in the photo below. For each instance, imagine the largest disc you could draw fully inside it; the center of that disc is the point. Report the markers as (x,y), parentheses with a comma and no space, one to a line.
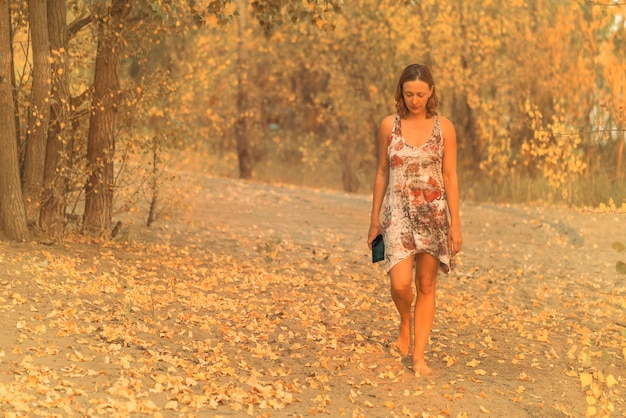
(260,300)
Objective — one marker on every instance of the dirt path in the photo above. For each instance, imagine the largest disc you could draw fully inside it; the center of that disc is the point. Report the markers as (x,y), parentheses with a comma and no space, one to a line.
(262,302)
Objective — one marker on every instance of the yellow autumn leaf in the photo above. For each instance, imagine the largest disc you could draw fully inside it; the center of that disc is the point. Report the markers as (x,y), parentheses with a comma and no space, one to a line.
(125,363)
(236,406)
(596,390)
(585,379)
(171,405)
(571,352)
(472,363)
(591,411)
(585,358)
(611,381)
(148,405)
(389,404)
(542,336)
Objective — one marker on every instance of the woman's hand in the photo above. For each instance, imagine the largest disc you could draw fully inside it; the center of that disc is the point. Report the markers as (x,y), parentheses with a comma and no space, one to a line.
(455,240)
(375,230)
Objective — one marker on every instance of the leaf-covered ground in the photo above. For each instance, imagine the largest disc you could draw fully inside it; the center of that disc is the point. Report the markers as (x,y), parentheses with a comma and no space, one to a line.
(259,300)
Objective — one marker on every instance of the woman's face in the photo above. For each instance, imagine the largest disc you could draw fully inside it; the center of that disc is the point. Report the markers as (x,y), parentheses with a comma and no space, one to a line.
(416,94)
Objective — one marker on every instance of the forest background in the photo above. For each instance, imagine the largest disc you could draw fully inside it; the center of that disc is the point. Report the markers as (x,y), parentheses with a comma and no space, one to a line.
(293,92)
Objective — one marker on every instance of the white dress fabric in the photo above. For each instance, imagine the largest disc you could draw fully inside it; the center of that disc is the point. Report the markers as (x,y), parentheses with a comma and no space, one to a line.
(415,218)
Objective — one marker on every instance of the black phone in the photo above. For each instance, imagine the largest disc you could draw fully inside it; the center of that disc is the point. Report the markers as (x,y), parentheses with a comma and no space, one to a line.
(378,249)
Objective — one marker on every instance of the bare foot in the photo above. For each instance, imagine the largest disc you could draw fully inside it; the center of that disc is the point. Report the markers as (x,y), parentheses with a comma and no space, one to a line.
(421,368)
(404,339)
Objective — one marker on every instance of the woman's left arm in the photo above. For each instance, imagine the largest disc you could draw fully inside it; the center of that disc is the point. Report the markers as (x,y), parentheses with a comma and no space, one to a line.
(451,183)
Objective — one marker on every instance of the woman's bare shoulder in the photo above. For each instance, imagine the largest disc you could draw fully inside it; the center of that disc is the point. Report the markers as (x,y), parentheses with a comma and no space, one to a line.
(386,127)
(387,122)
(446,124)
(443,119)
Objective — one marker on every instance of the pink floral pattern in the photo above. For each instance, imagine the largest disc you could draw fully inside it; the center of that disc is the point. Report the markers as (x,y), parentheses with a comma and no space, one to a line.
(415,218)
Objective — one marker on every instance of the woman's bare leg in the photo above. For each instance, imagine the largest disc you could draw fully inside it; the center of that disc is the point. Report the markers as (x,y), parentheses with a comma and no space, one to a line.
(402,295)
(426,267)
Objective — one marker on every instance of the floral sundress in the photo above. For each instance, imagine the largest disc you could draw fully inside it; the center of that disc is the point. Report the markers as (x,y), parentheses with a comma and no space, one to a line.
(415,218)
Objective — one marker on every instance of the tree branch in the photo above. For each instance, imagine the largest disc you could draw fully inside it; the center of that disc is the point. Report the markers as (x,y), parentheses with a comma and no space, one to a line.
(78,100)
(77,25)
(616,3)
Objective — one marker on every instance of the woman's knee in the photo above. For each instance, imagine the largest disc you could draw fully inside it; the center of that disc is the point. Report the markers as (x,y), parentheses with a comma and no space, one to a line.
(426,284)
(406,291)
(426,274)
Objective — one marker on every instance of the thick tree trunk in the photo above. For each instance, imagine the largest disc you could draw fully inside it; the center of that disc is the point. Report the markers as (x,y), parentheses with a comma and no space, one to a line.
(467,137)
(470,134)
(39,113)
(54,191)
(101,137)
(241,132)
(620,153)
(12,213)
(20,145)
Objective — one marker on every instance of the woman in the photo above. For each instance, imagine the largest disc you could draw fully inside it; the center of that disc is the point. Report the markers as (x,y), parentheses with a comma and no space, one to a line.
(421,225)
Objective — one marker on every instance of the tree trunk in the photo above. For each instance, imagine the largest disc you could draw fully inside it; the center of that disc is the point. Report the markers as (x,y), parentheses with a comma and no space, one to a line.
(12,213)
(241,134)
(101,137)
(425,30)
(348,176)
(20,145)
(620,153)
(155,182)
(39,113)
(54,190)
(470,135)
(468,127)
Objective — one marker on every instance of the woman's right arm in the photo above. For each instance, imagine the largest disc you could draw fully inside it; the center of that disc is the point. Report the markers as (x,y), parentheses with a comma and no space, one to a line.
(382,178)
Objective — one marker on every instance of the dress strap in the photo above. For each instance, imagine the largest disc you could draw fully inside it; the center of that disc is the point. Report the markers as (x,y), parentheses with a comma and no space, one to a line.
(437,127)
(396,123)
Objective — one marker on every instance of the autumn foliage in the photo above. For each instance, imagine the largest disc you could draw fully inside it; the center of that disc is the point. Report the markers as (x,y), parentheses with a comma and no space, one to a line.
(290,91)
(534,90)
